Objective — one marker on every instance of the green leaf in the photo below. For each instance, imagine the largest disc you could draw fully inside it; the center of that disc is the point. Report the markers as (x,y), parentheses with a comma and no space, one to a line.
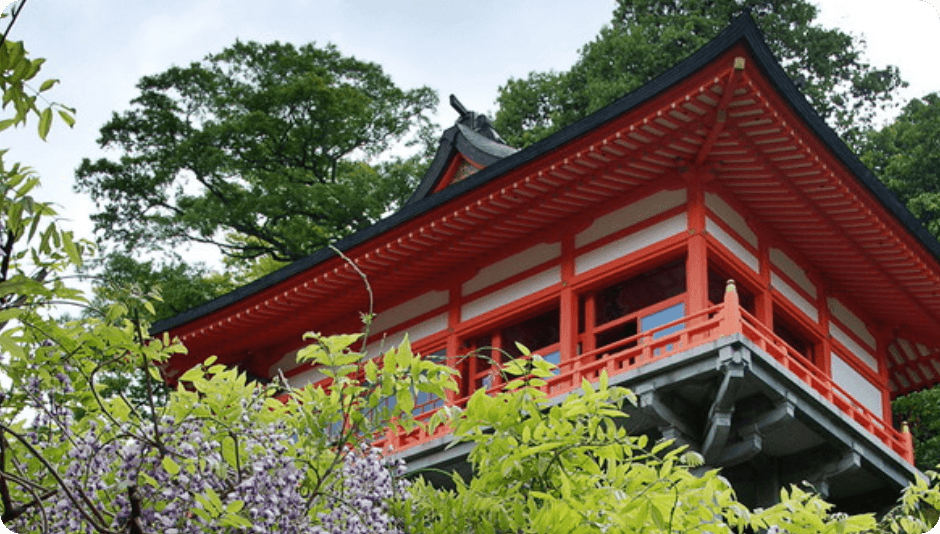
(405,400)
(45,123)
(11,346)
(67,118)
(234,507)
(229,452)
(170,466)
(46,85)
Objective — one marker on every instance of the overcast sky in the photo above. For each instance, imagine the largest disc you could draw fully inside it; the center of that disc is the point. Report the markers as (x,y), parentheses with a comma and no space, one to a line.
(100,48)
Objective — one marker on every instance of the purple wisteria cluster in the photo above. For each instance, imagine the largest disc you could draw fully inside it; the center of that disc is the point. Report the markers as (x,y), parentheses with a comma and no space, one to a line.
(198,474)
(358,499)
(116,475)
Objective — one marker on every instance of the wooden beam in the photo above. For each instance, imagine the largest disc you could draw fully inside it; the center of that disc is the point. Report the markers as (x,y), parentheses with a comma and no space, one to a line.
(722,113)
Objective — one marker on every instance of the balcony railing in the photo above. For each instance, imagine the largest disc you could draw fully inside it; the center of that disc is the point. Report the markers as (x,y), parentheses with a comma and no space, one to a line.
(711,324)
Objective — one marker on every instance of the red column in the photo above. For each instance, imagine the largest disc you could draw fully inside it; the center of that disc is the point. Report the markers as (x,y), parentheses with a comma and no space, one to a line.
(568,329)
(764,301)
(824,360)
(883,337)
(453,344)
(697,259)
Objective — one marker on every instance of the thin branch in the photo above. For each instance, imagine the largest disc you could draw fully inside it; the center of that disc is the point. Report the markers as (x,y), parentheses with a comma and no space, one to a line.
(4,488)
(92,515)
(365,281)
(15,11)
(13,513)
(145,365)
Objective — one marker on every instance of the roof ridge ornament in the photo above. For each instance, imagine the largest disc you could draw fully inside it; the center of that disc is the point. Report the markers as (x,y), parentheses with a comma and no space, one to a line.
(477,122)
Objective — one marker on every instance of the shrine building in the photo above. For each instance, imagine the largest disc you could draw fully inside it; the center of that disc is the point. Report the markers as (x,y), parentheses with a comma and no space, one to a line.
(608,247)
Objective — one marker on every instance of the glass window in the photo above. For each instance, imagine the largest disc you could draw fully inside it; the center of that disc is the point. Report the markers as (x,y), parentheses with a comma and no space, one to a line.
(640,291)
(665,316)
(479,370)
(535,333)
(477,365)
(425,402)
(794,336)
(623,310)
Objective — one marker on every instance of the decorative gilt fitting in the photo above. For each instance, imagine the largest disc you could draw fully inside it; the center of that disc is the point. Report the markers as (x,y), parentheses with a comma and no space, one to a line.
(739,63)
(730,287)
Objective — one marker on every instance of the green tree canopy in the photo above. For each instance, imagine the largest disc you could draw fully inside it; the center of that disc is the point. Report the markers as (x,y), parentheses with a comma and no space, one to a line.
(921,410)
(262,150)
(905,155)
(174,285)
(647,37)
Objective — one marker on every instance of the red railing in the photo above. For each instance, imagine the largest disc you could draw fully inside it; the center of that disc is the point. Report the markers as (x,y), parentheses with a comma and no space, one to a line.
(796,363)
(697,329)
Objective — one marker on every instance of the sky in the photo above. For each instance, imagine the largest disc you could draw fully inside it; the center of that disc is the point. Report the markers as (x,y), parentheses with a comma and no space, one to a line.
(99,49)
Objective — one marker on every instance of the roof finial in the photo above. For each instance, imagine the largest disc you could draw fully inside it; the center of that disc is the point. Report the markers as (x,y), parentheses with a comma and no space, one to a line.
(477,122)
(457,105)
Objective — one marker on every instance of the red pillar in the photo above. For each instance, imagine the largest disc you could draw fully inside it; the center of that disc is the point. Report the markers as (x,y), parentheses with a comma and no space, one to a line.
(697,259)
(568,329)
(453,344)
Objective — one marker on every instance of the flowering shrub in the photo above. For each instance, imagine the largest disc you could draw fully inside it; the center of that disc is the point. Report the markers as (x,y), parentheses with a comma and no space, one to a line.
(222,455)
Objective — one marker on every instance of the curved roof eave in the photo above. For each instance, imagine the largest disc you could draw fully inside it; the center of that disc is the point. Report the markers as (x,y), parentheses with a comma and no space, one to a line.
(742,29)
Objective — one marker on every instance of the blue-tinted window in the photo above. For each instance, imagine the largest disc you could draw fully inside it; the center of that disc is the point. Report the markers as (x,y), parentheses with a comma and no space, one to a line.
(662,317)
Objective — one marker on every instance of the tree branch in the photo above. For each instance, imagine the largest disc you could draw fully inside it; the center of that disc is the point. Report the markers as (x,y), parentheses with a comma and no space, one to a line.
(15,11)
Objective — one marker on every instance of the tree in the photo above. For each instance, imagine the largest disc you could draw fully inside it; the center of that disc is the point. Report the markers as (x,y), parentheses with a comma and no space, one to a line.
(220,456)
(921,410)
(647,37)
(905,155)
(262,150)
(172,286)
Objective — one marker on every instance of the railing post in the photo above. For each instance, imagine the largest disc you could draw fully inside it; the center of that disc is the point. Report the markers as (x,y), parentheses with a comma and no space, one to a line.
(391,436)
(907,440)
(731,311)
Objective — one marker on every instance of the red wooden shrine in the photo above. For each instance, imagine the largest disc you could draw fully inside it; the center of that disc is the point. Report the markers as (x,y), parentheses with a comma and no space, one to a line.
(607,246)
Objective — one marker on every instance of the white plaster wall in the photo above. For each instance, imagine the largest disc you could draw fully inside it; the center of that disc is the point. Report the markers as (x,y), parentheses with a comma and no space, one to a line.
(515,264)
(510,293)
(731,217)
(732,244)
(794,297)
(793,270)
(632,214)
(851,321)
(631,243)
(856,385)
(415,333)
(857,350)
(409,310)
